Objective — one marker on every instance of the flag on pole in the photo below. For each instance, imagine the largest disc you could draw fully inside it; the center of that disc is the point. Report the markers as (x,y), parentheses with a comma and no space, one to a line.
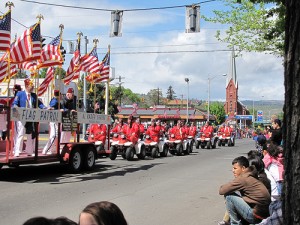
(28,46)
(31,66)
(5,27)
(89,62)
(104,69)
(4,68)
(51,54)
(73,72)
(45,84)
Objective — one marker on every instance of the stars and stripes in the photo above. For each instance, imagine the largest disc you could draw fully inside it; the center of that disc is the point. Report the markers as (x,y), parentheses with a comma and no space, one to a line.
(31,66)
(89,62)
(28,46)
(45,84)
(73,72)
(104,70)
(4,68)
(5,27)
(51,54)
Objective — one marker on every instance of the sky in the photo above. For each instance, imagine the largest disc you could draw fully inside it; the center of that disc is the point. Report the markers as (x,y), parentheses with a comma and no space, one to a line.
(259,75)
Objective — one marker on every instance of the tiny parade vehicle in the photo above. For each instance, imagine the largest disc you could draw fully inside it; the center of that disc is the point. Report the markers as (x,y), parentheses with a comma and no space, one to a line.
(191,141)
(154,148)
(207,141)
(226,136)
(77,155)
(127,149)
(177,146)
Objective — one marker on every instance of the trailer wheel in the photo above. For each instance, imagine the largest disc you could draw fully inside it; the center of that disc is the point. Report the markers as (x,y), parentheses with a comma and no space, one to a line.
(113,153)
(197,144)
(75,160)
(129,154)
(89,159)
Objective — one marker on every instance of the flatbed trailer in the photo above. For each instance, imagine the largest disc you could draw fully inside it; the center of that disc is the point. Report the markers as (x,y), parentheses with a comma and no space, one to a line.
(77,155)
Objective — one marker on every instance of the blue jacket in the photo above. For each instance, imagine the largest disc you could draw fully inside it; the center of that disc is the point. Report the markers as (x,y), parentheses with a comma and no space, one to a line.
(21,99)
(54,103)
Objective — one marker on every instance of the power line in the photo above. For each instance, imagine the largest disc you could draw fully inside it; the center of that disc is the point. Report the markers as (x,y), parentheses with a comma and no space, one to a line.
(166,52)
(111,10)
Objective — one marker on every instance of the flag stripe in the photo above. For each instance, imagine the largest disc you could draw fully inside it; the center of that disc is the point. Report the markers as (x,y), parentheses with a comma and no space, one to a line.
(45,84)
(5,31)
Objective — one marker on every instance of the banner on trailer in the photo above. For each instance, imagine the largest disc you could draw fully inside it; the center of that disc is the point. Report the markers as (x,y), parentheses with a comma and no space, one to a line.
(35,115)
(93,118)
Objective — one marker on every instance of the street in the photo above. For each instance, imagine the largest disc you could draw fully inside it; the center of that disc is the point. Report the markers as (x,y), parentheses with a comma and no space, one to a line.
(177,190)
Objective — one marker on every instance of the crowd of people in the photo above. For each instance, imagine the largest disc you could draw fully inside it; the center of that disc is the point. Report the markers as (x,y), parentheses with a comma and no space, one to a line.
(254,195)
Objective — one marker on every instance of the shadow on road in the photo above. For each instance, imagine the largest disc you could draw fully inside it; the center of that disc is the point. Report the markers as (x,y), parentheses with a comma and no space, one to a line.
(59,173)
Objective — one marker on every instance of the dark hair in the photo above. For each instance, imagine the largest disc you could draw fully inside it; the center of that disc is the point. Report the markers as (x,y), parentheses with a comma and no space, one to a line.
(63,221)
(273,150)
(241,160)
(278,121)
(257,162)
(253,153)
(105,213)
(38,221)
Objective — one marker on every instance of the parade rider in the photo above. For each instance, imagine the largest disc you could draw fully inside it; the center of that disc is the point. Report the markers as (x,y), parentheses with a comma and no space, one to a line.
(53,105)
(131,130)
(26,99)
(207,130)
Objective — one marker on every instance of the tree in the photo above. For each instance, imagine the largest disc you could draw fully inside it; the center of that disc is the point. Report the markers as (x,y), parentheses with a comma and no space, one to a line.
(291,121)
(252,27)
(217,109)
(170,93)
(155,96)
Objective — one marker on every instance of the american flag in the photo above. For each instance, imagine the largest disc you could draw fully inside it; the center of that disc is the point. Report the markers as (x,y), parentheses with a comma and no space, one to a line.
(28,46)
(89,62)
(51,55)
(104,69)
(73,72)
(44,85)
(31,66)
(4,68)
(5,26)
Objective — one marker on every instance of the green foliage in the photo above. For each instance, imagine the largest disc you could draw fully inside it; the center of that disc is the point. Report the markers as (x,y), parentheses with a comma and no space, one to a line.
(253,26)
(217,109)
(155,96)
(170,93)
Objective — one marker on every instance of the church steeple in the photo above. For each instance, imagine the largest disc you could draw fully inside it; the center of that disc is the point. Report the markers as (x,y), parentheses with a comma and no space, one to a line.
(232,71)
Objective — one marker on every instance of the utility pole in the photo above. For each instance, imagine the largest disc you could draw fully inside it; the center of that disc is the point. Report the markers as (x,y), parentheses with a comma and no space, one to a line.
(84,87)
(120,88)
(158,96)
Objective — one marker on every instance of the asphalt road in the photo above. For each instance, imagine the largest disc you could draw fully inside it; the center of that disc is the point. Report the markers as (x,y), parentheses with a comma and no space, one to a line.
(165,191)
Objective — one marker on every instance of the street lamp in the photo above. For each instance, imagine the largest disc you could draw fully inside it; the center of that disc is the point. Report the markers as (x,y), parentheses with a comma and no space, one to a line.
(208,99)
(187,102)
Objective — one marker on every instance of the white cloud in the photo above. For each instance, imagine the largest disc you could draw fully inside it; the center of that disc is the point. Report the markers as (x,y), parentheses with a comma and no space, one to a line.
(258,74)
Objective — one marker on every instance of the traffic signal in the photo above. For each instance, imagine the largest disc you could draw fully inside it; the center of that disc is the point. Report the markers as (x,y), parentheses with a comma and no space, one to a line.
(192,19)
(116,23)
(42,41)
(63,52)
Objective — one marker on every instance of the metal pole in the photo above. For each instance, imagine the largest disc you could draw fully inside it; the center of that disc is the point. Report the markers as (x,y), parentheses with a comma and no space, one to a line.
(84,89)
(253,118)
(187,101)
(208,99)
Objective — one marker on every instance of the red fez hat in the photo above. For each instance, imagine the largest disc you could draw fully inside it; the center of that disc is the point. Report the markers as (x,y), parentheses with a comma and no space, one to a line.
(28,82)
(70,90)
(17,87)
(56,92)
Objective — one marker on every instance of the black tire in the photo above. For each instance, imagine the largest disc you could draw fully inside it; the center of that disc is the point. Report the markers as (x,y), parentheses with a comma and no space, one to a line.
(75,160)
(89,158)
(208,145)
(197,144)
(233,143)
(1,165)
(214,145)
(219,143)
(124,155)
(113,153)
(154,152)
(179,149)
(191,146)
(142,154)
(164,153)
(187,150)
(223,143)
(229,143)
(202,145)
(129,153)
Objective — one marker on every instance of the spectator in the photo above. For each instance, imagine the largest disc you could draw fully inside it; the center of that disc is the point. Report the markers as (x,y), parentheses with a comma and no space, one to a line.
(102,213)
(276,134)
(247,199)
(45,221)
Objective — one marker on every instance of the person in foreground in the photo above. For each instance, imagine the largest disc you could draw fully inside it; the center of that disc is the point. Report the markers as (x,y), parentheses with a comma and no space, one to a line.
(247,199)
(102,213)
(45,221)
